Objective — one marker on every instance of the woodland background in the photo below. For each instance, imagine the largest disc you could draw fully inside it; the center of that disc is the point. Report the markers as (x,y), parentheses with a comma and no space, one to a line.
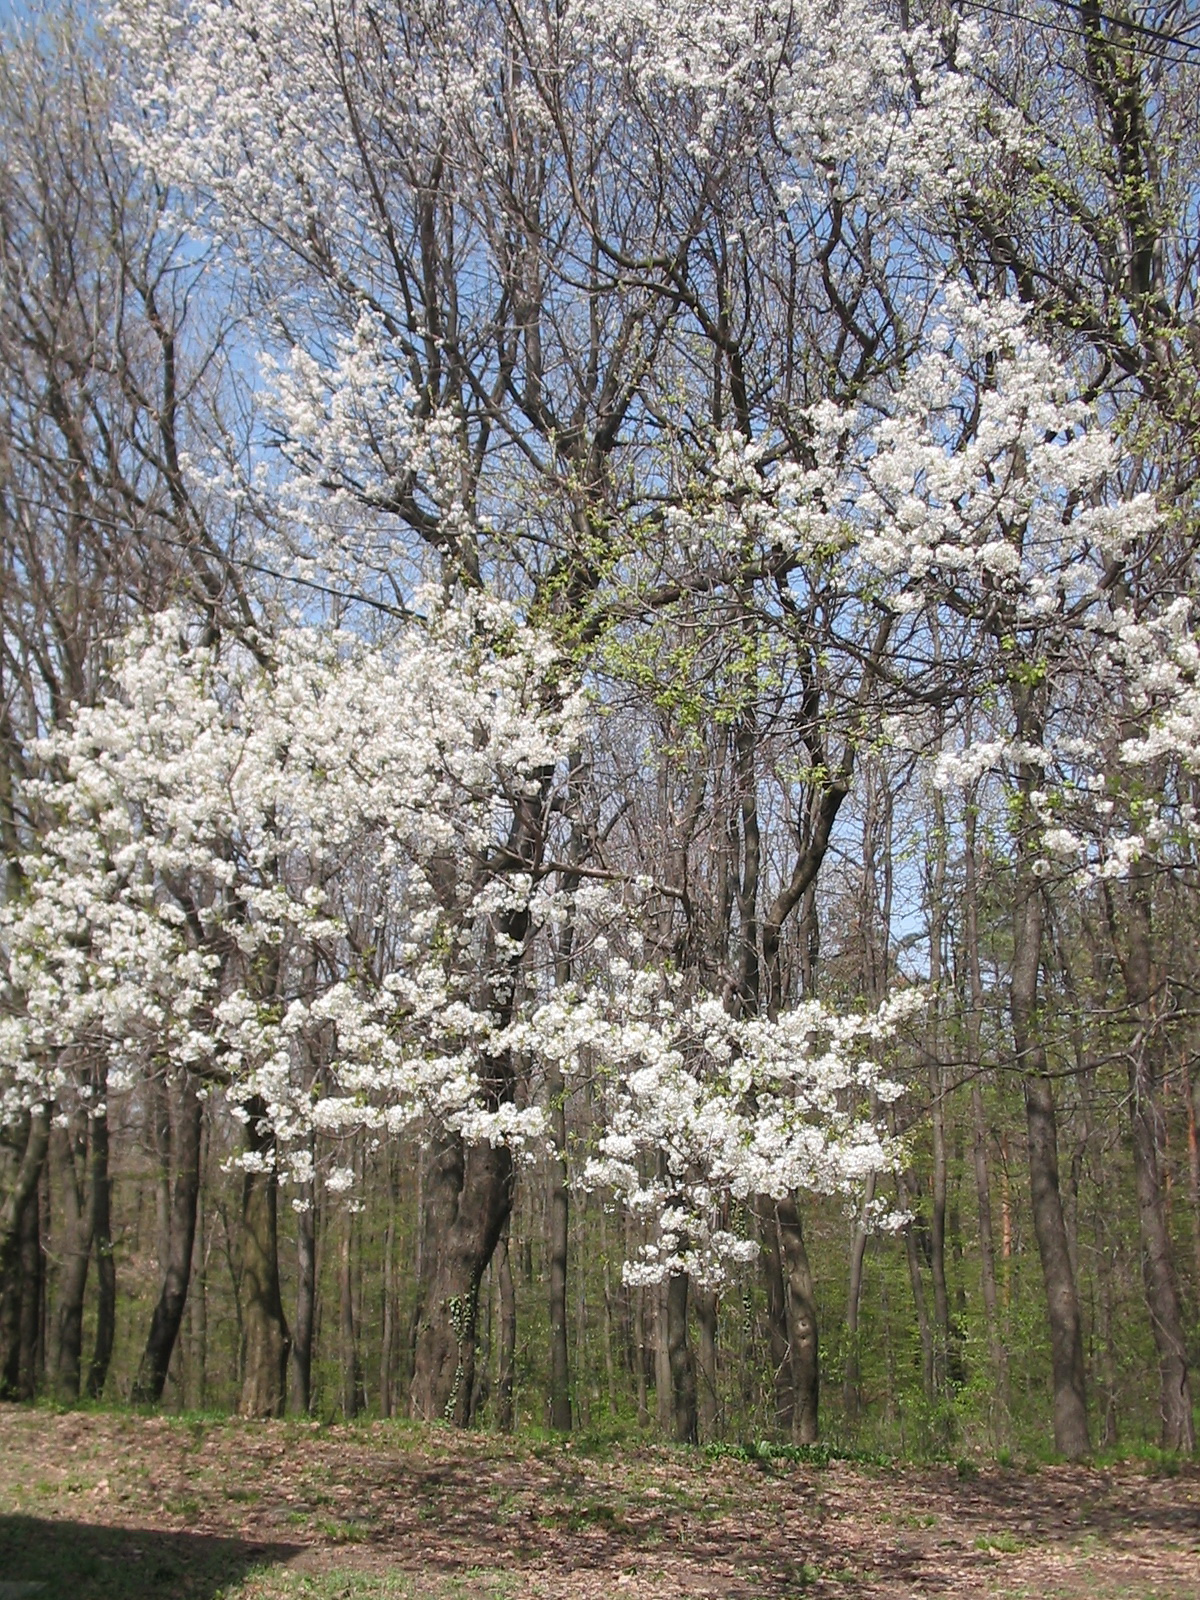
(598,301)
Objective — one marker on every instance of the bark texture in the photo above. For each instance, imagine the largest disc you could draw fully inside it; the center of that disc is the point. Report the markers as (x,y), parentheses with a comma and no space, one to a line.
(179,1242)
(264,1327)
(468,1197)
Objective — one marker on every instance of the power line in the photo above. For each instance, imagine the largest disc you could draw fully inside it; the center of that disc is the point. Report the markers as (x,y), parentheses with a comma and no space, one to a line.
(1158,36)
(1130,26)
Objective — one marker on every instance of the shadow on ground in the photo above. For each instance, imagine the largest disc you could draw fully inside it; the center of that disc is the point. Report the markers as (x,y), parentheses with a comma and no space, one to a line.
(79,1561)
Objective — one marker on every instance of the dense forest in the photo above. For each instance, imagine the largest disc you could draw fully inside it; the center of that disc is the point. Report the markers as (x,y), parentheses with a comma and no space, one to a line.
(599,715)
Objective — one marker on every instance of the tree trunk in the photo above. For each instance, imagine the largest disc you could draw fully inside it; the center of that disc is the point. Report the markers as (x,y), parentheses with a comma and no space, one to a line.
(507,1337)
(387,1339)
(264,1328)
(308,1224)
(912,1257)
(351,1374)
(983,1192)
(852,1382)
(1193,1131)
(1062,1303)
(68,1147)
(664,1413)
(468,1197)
(106,1271)
(640,1356)
(801,1324)
(198,1296)
(1145,1076)
(179,1242)
(706,1322)
(306,1297)
(31,1346)
(559,1218)
(1071,1436)
(783,1376)
(17,1290)
(937,1106)
(681,1361)
(159,1120)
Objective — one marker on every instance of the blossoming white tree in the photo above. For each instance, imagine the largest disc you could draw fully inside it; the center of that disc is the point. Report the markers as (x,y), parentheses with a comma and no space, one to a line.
(285,873)
(645,317)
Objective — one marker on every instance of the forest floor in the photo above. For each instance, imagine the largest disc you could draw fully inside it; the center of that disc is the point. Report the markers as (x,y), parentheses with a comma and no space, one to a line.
(114,1506)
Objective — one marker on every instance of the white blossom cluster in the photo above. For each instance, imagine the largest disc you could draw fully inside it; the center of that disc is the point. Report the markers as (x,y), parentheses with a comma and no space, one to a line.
(271,870)
(705,1110)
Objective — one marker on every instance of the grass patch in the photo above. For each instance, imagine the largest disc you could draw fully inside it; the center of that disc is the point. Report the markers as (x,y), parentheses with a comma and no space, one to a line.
(1003,1544)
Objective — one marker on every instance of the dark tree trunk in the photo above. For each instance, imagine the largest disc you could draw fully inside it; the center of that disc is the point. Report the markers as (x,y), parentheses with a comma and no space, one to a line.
(17,1289)
(68,1148)
(106,1271)
(387,1340)
(306,1295)
(802,1325)
(179,1242)
(559,1219)
(468,1196)
(681,1361)
(31,1342)
(264,1328)
(706,1323)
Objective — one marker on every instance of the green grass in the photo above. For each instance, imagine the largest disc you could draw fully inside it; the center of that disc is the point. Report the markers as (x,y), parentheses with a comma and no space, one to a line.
(1005,1544)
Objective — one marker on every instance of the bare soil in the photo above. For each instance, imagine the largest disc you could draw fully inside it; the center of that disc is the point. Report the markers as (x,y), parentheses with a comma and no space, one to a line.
(97,1504)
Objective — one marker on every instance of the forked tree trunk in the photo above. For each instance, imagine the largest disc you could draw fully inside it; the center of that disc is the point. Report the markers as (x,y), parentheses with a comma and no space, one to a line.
(264,1328)
(468,1196)
(680,1361)
(180,1239)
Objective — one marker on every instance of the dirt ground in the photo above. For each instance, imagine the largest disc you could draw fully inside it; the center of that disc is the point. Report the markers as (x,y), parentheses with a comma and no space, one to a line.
(107,1504)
